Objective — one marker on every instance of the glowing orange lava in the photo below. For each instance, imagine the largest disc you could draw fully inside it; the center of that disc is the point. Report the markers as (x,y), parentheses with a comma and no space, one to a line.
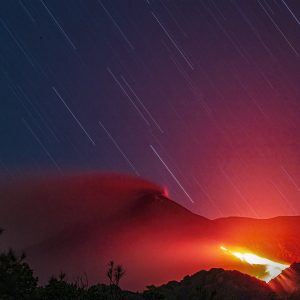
(272,268)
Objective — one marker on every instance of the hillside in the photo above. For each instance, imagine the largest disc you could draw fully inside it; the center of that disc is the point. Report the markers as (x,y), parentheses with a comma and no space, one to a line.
(76,224)
(217,284)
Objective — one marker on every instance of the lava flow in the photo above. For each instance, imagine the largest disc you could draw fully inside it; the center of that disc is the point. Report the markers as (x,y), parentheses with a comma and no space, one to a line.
(271,268)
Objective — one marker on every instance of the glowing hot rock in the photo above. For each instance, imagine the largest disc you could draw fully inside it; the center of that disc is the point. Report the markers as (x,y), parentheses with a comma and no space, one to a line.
(272,268)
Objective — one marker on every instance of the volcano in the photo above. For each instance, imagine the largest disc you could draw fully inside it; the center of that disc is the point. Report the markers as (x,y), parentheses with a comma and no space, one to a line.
(76,224)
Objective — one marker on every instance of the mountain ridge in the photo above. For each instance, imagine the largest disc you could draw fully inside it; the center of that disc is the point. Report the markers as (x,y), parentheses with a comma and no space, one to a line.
(76,224)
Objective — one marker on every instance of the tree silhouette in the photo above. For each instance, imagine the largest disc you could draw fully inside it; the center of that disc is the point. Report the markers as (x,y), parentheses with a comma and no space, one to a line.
(114,274)
(119,272)
(16,277)
(110,272)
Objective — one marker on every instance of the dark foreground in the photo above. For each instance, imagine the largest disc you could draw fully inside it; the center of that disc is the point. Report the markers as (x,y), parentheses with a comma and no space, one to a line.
(18,282)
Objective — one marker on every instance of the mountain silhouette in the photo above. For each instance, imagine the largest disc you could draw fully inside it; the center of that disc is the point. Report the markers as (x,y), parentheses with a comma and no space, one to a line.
(77,223)
(216,284)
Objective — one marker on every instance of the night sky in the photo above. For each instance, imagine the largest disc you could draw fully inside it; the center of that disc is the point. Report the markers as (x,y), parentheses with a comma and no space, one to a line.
(201,97)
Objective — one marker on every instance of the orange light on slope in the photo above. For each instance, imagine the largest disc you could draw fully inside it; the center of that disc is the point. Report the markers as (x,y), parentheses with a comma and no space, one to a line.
(272,268)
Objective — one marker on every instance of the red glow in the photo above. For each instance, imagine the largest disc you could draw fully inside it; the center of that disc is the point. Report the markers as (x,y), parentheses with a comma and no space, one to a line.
(79,223)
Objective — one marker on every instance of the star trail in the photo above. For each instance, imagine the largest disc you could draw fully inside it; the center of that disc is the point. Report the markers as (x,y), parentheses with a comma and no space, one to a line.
(201,97)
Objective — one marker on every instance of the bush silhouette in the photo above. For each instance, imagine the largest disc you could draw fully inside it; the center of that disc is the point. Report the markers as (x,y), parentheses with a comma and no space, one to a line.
(60,289)
(16,277)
